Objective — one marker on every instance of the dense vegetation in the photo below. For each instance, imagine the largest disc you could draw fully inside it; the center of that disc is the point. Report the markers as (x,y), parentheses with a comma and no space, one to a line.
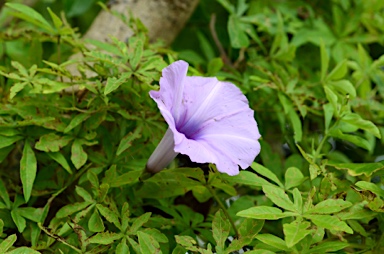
(75,134)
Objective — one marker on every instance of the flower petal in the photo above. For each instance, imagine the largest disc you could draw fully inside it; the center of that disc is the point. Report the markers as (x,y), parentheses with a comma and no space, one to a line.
(208,99)
(231,141)
(172,87)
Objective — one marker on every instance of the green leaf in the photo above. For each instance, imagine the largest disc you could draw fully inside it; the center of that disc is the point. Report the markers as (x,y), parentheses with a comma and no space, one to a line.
(357,169)
(4,195)
(227,188)
(297,126)
(78,155)
(59,158)
(293,177)
(220,230)
(272,240)
(27,13)
(214,66)
(357,212)
(330,206)
(78,119)
(298,200)
(137,52)
(295,232)
(28,169)
(344,87)
(293,116)
(237,35)
(7,243)
(332,97)
(246,178)
(339,71)
(110,215)
(329,110)
(169,183)
(126,141)
(370,187)
(112,84)
(95,223)
(23,250)
(139,222)
(104,238)
(329,222)
(324,60)
(71,209)
(260,251)
(56,20)
(7,141)
(357,140)
(266,173)
(84,194)
(19,220)
(328,247)
(147,243)
(248,230)
(227,5)
(52,142)
(17,87)
(122,247)
(357,121)
(279,197)
(264,213)
(124,179)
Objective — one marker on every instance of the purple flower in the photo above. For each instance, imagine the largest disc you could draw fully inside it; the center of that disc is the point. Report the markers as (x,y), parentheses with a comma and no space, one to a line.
(209,120)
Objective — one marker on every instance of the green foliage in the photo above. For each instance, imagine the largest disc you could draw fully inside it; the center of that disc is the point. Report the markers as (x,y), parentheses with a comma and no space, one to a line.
(75,133)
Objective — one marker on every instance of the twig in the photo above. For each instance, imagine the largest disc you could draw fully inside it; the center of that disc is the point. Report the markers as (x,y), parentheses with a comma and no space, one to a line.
(223,55)
(57,237)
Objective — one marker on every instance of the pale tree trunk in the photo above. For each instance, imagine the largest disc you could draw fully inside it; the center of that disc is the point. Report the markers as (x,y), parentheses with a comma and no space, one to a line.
(163,18)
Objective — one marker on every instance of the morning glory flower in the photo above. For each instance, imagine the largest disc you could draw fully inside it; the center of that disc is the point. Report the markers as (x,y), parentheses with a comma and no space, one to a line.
(208,120)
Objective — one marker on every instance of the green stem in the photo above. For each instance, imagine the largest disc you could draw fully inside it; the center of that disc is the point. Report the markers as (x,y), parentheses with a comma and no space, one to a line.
(222,206)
